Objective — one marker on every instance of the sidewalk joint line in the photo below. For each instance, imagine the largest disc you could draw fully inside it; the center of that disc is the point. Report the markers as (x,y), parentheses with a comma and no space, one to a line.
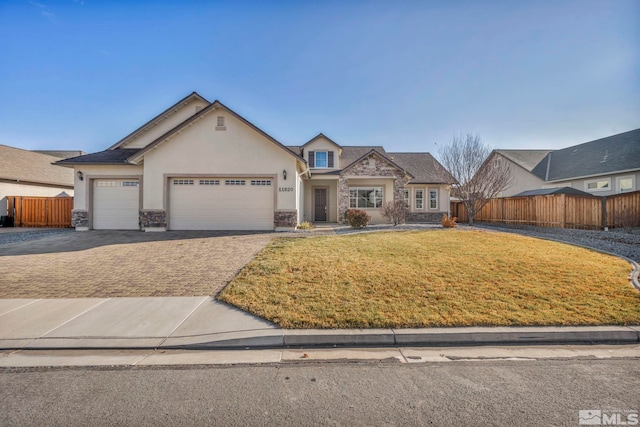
(184,320)
(73,318)
(22,306)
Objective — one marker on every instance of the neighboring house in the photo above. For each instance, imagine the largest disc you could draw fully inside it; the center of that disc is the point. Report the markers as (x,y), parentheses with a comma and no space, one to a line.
(602,167)
(201,166)
(521,163)
(27,173)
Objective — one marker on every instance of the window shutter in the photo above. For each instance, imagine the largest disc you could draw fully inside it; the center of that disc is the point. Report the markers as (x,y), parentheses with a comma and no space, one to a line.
(312,159)
(330,161)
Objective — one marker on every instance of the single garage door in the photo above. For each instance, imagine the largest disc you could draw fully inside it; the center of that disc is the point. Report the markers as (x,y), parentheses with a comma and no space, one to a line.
(115,204)
(220,204)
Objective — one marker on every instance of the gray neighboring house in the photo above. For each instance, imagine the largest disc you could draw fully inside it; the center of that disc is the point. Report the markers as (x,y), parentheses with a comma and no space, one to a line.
(602,167)
(29,173)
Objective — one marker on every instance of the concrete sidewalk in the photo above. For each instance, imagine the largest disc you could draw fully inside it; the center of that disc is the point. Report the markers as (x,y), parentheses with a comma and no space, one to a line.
(204,323)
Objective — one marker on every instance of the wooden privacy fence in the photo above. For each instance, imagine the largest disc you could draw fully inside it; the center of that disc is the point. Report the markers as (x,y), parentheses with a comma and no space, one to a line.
(40,211)
(559,210)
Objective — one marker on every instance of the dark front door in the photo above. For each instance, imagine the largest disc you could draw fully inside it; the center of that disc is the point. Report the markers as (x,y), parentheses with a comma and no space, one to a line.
(320,202)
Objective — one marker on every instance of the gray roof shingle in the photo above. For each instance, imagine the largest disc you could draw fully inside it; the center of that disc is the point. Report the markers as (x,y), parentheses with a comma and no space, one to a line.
(24,165)
(600,157)
(110,157)
(557,190)
(424,167)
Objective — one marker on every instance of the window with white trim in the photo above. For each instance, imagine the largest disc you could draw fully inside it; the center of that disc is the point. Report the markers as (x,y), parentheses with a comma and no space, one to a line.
(365,197)
(598,185)
(433,199)
(266,182)
(209,182)
(407,197)
(182,182)
(419,199)
(235,182)
(625,183)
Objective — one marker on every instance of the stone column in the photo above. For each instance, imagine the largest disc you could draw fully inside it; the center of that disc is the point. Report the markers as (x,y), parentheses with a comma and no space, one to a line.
(343,198)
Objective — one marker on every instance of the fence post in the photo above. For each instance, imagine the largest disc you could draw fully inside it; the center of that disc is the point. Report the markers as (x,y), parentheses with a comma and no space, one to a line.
(604,213)
(563,211)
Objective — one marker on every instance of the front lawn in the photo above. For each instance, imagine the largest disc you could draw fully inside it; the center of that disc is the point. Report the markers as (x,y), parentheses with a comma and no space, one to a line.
(433,278)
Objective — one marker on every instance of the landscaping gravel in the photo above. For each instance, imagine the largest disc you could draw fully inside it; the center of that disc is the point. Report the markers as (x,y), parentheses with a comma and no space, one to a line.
(618,241)
(23,236)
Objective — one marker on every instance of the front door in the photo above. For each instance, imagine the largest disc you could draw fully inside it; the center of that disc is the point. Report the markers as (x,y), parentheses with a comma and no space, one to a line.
(320,204)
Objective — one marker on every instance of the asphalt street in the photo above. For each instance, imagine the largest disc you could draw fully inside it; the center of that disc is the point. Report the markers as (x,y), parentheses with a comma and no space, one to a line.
(460,393)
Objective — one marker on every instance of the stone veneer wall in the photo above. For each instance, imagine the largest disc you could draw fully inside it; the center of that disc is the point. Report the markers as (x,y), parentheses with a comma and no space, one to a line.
(434,217)
(153,218)
(381,168)
(285,218)
(79,218)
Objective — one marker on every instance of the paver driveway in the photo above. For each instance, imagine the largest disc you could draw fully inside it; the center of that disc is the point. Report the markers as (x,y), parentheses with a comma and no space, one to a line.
(125,263)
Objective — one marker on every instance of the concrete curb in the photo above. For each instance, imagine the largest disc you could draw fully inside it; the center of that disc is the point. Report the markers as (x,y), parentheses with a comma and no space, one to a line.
(345,338)
(430,337)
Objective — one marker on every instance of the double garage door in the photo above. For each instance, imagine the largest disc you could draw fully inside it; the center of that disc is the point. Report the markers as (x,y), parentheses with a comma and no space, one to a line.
(194,204)
(221,203)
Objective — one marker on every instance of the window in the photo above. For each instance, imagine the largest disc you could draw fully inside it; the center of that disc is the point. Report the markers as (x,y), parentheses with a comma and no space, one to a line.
(182,182)
(433,199)
(406,198)
(260,182)
(625,183)
(130,183)
(321,159)
(419,199)
(362,198)
(106,183)
(598,185)
(234,182)
(209,182)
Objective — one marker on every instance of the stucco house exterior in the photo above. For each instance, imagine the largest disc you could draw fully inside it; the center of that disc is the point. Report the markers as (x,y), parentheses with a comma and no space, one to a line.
(29,173)
(602,167)
(200,166)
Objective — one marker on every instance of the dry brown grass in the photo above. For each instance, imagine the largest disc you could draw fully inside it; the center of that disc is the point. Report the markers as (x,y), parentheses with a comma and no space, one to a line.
(433,278)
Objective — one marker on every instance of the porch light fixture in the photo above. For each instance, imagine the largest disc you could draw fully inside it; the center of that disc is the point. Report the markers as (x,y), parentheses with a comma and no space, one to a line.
(80,176)
(284,174)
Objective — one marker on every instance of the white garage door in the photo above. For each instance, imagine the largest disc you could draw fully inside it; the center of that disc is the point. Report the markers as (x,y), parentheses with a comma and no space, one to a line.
(220,204)
(115,204)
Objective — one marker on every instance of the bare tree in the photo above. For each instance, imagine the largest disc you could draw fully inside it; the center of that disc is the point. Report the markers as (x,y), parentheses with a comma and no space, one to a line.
(479,179)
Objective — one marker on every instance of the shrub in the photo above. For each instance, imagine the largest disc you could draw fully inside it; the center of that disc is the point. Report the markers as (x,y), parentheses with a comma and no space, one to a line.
(448,222)
(357,218)
(306,225)
(396,211)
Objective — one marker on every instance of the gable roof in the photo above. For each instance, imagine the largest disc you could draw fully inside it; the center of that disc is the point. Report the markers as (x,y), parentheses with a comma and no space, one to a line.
(200,114)
(318,136)
(603,156)
(382,156)
(29,167)
(527,159)
(424,168)
(556,190)
(159,118)
(353,153)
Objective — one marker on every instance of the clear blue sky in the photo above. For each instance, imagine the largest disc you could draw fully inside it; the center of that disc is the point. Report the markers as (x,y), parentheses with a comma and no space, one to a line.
(402,74)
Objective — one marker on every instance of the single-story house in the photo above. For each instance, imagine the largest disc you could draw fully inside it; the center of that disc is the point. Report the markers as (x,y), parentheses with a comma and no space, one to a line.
(602,167)
(201,166)
(28,173)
